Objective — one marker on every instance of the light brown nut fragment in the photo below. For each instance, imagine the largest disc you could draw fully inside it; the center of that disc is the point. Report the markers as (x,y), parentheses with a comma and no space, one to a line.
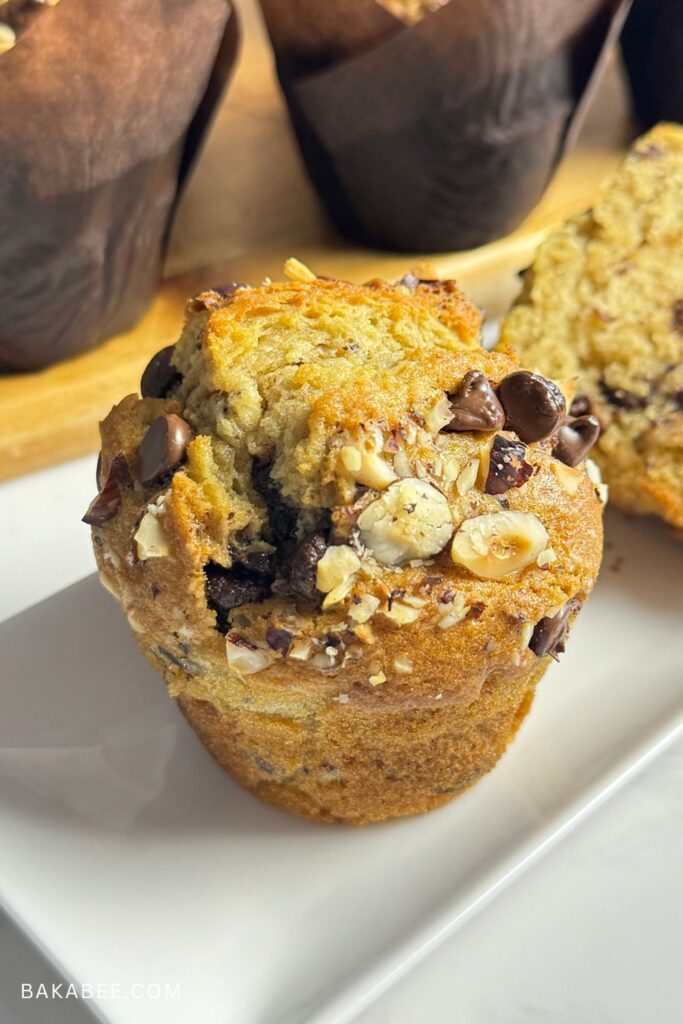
(336,567)
(569,479)
(363,608)
(244,658)
(411,519)
(468,477)
(499,543)
(150,539)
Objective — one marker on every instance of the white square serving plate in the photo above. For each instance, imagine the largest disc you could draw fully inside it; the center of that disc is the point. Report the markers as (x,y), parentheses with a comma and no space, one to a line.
(130,857)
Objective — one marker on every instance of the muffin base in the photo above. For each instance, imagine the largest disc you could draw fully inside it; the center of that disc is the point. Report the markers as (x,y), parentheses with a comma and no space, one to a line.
(346,763)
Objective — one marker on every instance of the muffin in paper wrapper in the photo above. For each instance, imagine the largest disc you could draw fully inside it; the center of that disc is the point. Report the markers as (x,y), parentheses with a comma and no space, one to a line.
(440,134)
(104,108)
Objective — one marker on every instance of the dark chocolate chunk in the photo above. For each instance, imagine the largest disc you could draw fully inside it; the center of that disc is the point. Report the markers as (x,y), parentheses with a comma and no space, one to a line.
(282,516)
(534,406)
(550,633)
(581,406)
(575,438)
(507,466)
(163,448)
(227,589)
(621,398)
(677,317)
(259,562)
(106,504)
(160,375)
(304,565)
(475,405)
(279,639)
(475,611)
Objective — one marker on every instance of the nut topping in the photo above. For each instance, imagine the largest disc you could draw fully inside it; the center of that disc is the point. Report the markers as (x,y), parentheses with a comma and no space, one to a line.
(335,567)
(550,633)
(507,466)
(499,543)
(163,448)
(534,406)
(150,539)
(411,519)
(575,438)
(474,406)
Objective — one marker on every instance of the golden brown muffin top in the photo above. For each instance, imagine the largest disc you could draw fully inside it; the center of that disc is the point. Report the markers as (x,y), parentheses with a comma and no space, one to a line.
(338,478)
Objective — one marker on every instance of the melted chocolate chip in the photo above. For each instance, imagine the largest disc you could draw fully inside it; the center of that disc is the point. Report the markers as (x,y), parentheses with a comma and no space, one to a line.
(227,589)
(259,562)
(282,516)
(581,406)
(474,405)
(575,438)
(533,406)
(163,448)
(304,564)
(159,376)
(507,466)
(279,639)
(549,634)
(106,504)
(621,398)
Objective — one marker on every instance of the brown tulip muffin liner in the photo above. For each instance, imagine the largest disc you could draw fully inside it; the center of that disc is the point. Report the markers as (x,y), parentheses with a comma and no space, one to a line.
(652,45)
(106,107)
(443,134)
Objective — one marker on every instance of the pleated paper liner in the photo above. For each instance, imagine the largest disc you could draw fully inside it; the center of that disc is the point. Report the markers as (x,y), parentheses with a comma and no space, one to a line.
(105,108)
(440,135)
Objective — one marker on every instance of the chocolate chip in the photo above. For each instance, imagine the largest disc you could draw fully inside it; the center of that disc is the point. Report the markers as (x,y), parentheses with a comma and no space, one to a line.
(575,438)
(550,633)
(227,589)
(475,611)
(159,376)
(106,504)
(304,565)
(282,517)
(621,398)
(507,466)
(474,405)
(163,448)
(581,406)
(533,405)
(279,639)
(677,317)
(259,562)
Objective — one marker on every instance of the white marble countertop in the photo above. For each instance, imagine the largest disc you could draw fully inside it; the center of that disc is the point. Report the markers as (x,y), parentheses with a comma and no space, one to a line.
(591,934)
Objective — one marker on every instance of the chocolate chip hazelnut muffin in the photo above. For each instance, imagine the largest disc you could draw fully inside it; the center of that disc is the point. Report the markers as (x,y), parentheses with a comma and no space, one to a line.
(603,303)
(349,538)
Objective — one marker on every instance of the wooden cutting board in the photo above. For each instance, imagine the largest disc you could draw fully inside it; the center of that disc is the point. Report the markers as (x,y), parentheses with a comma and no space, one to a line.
(239,220)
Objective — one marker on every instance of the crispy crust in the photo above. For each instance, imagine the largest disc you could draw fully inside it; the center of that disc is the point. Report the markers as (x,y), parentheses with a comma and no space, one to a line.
(338,741)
